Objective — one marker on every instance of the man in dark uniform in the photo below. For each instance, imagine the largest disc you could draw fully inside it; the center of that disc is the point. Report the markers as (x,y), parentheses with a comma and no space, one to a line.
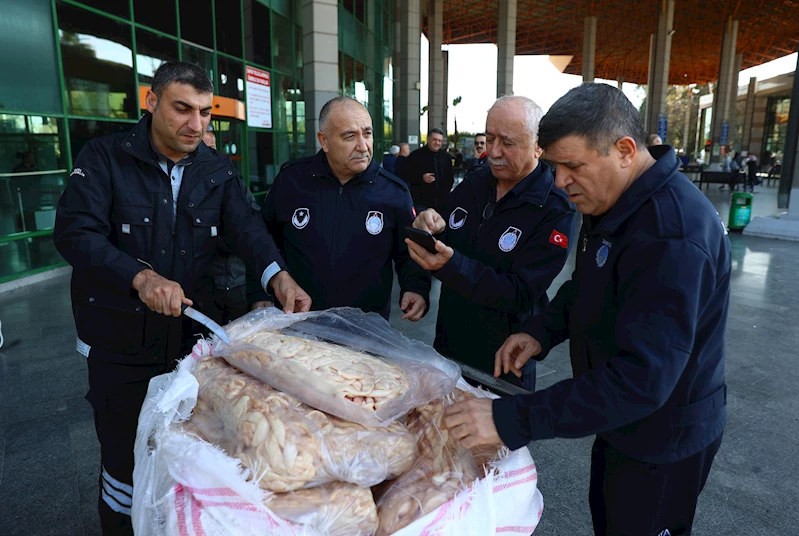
(141,216)
(338,219)
(645,314)
(502,238)
(428,171)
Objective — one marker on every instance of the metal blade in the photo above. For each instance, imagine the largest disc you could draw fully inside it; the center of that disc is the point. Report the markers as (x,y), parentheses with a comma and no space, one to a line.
(215,328)
(491,383)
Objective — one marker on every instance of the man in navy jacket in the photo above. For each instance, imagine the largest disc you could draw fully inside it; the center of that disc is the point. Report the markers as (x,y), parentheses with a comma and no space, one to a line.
(502,238)
(338,219)
(142,215)
(645,313)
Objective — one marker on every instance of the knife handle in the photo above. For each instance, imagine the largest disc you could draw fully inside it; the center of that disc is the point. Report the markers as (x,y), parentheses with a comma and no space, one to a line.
(183,307)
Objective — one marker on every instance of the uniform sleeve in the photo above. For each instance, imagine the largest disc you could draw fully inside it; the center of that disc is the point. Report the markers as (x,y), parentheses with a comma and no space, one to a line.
(412,277)
(551,327)
(534,269)
(82,226)
(662,288)
(246,233)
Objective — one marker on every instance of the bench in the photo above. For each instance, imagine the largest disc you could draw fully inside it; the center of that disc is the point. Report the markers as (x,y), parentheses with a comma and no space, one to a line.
(721,177)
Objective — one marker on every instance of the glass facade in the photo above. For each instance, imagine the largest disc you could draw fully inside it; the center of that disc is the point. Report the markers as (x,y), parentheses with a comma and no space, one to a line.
(80,68)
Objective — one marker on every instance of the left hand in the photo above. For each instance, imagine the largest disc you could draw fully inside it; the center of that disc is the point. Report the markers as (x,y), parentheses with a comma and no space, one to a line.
(427,260)
(472,423)
(414,306)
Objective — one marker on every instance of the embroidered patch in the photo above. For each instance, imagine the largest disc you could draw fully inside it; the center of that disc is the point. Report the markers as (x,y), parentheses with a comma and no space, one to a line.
(509,239)
(559,239)
(374,222)
(457,218)
(125,228)
(78,171)
(301,218)
(602,254)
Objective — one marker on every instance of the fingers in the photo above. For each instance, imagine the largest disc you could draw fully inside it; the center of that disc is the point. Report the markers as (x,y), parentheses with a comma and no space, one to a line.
(303,302)
(405,303)
(175,300)
(291,296)
(504,356)
(414,306)
(416,251)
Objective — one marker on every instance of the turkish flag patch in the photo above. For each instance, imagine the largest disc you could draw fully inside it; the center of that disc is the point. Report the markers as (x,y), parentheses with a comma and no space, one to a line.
(559,239)
(413,210)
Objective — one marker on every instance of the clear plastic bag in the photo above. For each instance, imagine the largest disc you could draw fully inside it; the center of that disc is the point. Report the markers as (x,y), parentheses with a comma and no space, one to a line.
(285,444)
(342,361)
(336,509)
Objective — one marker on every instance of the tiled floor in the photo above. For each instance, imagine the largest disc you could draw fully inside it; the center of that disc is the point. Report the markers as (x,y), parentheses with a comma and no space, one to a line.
(49,454)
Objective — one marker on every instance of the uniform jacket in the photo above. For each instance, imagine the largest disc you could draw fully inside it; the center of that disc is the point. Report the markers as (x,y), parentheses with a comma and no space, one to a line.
(115,219)
(502,265)
(645,314)
(340,240)
(422,161)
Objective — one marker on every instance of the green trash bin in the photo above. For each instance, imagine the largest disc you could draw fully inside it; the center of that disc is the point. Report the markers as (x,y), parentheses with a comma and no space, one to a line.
(740,210)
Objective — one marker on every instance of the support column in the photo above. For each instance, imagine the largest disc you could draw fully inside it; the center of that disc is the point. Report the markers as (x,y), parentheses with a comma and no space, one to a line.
(410,67)
(749,114)
(320,61)
(620,81)
(397,71)
(660,56)
(733,107)
(689,96)
(589,48)
(721,101)
(445,91)
(435,87)
(506,46)
(789,185)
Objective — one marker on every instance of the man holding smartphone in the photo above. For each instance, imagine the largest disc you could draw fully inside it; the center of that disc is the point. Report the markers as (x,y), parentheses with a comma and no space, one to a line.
(503,236)
(428,172)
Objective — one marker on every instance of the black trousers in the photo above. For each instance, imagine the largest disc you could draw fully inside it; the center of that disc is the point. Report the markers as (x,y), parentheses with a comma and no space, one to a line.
(633,498)
(116,393)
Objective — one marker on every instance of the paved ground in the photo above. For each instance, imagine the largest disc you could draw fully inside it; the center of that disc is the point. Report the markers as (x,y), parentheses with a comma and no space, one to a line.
(49,454)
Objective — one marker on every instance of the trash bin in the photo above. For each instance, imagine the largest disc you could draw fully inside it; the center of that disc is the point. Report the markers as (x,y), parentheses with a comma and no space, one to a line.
(740,210)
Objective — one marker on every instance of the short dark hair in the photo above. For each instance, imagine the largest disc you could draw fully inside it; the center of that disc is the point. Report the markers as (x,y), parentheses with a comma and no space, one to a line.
(181,72)
(483,134)
(329,105)
(436,130)
(598,112)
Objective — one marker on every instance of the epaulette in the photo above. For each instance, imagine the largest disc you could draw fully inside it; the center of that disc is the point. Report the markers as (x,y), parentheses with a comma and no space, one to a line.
(393,178)
(303,160)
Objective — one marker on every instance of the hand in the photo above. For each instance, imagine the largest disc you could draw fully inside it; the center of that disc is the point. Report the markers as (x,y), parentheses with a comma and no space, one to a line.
(477,152)
(263,304)
(293,298)
(472,423)
(159,293)
(427,260)
(514,353)
(429,178)
(431,221)
(414,306)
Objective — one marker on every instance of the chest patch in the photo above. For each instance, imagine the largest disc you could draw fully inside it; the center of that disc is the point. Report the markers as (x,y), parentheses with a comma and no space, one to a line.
(374,222)
(301,218)
(602,254)
(457,218)
(509,239)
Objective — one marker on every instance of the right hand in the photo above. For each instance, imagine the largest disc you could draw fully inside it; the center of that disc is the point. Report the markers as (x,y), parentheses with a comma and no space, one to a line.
(431,221)
(514,353)
(159,293)
(290,294)
(429,178)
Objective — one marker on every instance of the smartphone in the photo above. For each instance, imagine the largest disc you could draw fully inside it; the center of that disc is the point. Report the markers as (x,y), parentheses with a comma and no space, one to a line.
(423,238)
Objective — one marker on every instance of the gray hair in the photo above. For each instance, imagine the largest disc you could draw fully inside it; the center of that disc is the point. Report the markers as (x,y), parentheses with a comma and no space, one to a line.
(532,112)
(324,114)
(394,150)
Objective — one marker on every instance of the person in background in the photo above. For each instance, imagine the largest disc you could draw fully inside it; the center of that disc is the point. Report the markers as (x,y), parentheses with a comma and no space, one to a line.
(479,154)
(390,160)
(140,218)
(503,236)
(645,313)
(428,172)
(402,157)
(653,140)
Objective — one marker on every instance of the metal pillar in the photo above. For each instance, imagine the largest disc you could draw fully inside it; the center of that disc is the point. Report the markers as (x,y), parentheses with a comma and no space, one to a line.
(790,160)
(721,101)
(397,85)
(749,114)
(435,87)
(410,66)
(445,91)
(320,61)
(589,48)
(506,47)
(660,55)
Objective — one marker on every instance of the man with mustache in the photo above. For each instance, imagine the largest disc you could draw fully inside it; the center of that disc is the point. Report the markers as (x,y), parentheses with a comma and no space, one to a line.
(503,236)
(139,220)
(645,313)
(338,218)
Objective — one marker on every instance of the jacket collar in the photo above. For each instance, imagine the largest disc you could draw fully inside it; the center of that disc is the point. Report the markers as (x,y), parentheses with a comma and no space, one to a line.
(642,189)
(534,188)
(321,168)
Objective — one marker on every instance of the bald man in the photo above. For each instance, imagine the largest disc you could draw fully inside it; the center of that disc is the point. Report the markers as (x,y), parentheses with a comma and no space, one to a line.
(338,218)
